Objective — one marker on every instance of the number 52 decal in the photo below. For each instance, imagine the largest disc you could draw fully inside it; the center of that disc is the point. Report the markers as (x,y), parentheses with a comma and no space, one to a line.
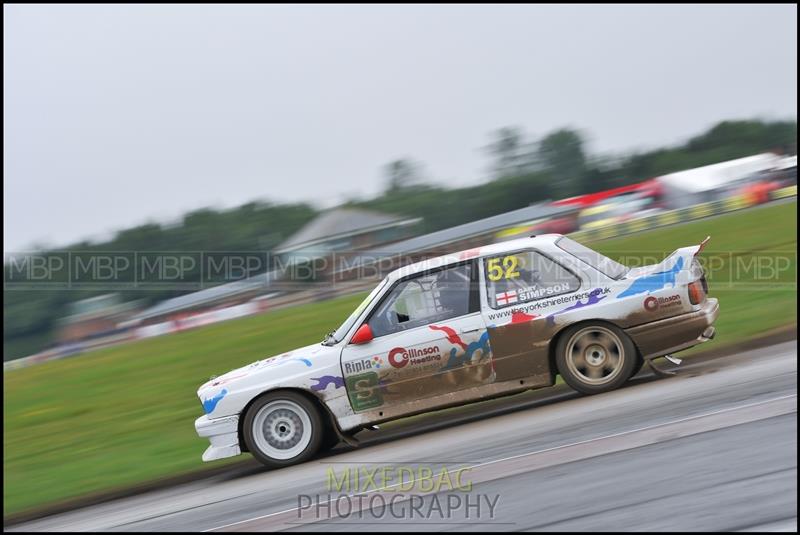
(502,268)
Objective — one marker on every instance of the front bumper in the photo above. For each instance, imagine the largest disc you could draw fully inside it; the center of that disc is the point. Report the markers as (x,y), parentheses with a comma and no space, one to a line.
(223,433)
(659,338)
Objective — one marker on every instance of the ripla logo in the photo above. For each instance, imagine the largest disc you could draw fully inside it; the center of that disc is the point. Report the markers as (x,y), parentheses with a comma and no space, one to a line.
(398,357)
(358,366)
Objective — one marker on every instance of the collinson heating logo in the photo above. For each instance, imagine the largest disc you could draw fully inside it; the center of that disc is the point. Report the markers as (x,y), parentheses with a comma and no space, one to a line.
(399,357)
(653,303)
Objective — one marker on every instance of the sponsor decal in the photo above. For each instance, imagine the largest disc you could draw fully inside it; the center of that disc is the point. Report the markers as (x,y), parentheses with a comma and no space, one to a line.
(594,297)
(355,366)
(652,303)
(655,281)
(364,391)
(547,303)
(506,298)
(209,404)
(325,381)
(399,357)
(530,294)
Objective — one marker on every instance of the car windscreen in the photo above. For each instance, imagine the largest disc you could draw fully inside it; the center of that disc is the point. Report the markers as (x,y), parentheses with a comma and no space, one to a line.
(601,263)
(348,323)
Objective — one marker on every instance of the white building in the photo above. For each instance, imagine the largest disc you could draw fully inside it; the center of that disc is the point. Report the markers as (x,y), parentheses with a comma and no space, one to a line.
(710,182)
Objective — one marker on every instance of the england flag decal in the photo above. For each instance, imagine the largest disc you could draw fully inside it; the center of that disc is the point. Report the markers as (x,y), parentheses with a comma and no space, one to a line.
(506,298)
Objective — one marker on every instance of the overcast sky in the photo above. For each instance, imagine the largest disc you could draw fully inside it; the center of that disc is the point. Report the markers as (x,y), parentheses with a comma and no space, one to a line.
(116,115)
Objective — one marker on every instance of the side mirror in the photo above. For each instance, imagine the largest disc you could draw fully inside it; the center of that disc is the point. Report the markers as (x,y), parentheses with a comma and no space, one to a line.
(363,335)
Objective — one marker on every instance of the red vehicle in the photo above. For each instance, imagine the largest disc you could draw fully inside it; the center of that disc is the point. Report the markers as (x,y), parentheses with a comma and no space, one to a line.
(648,188)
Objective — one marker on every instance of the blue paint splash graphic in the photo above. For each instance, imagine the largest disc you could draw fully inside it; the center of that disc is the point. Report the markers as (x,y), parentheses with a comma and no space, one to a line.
(457,361)
(591,300)
(656,281)
(326,380)
(304,361)
(209,404)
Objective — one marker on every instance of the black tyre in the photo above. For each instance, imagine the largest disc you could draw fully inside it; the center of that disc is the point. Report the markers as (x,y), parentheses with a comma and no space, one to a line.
(595,357)
(638,367)
(330,440)
(282,429)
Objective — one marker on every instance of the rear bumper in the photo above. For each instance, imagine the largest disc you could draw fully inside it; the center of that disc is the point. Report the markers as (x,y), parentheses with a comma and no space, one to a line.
(674,334)
(223,433)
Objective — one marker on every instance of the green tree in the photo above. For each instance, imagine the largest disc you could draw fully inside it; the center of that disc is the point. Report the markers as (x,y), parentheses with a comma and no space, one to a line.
(561,154)
(401,174)
(511,155)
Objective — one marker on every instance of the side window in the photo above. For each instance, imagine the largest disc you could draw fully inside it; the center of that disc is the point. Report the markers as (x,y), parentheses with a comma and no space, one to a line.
(525,276)
(424,299)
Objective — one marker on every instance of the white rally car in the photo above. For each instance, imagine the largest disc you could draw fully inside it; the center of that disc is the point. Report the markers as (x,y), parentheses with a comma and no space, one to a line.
(469,326)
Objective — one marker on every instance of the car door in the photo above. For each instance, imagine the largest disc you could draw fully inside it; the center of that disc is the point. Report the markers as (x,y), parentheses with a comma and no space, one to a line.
(429,339)
(523,291)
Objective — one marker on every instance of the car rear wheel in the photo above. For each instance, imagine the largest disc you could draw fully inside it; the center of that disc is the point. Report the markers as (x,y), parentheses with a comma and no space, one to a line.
(595,358)
(282,428)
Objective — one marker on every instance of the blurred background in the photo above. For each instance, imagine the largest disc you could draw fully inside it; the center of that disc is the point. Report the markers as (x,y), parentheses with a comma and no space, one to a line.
(260,167)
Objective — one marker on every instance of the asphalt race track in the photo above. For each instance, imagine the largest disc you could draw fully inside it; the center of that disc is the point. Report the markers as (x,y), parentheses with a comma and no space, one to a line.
(713,448)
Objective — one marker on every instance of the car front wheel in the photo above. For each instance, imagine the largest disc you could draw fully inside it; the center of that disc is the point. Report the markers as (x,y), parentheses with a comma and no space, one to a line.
(282,428)
(595,358)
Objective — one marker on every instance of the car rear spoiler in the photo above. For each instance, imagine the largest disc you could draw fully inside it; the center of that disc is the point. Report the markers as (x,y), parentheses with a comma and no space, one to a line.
(679,260)
(702,245)
(692,250)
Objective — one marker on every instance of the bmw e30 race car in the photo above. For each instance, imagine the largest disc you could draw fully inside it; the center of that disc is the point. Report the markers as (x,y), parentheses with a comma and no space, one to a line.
(481,323)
